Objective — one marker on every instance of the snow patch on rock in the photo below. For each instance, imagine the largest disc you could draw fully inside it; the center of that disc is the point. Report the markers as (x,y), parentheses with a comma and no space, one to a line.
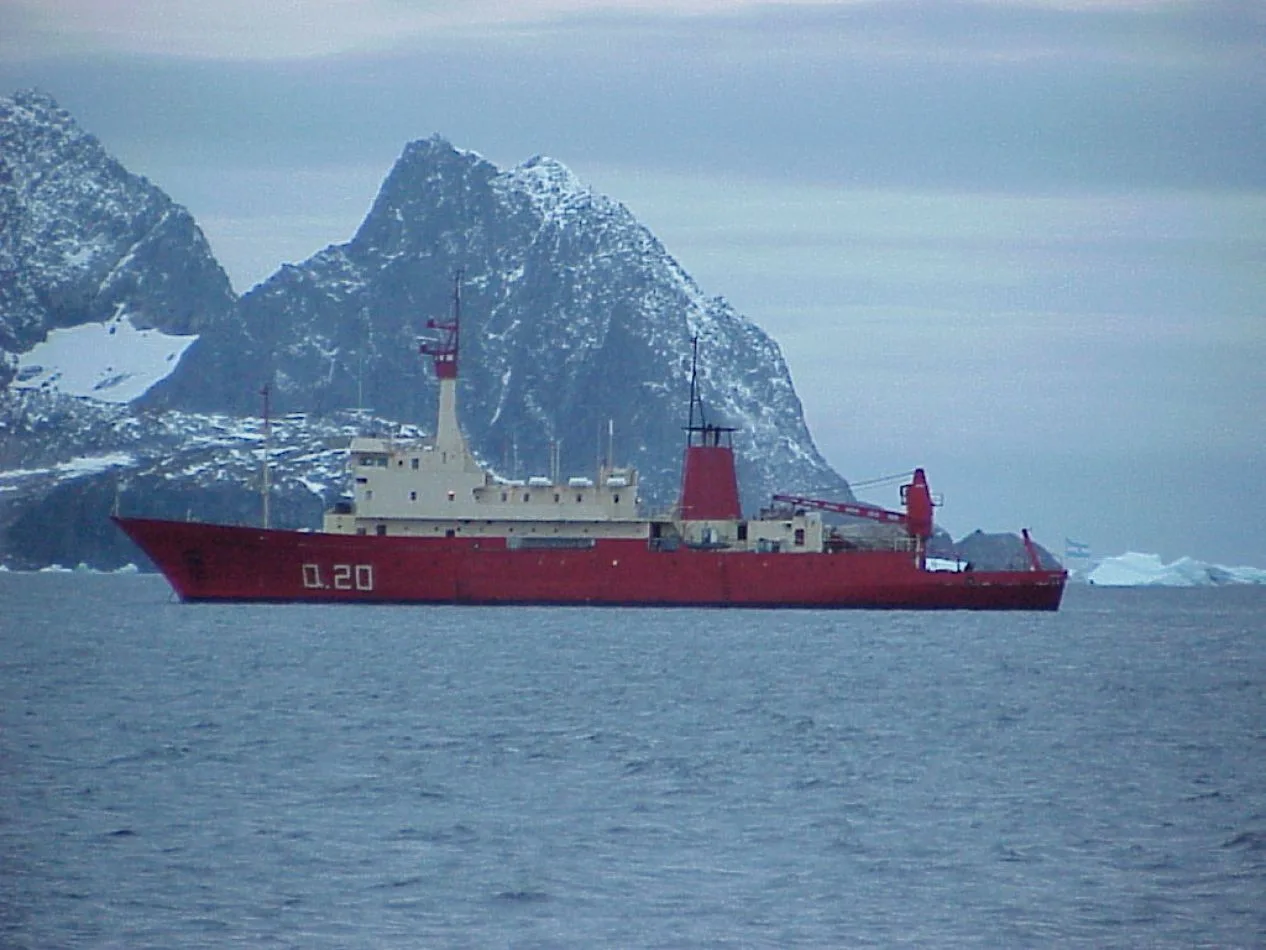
(111,361)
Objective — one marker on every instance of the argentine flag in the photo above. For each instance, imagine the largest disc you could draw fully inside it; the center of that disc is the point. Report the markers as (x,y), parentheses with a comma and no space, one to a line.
(1076,548)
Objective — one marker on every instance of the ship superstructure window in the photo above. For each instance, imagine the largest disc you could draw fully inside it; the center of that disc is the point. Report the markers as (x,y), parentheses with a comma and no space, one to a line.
(413,496)
(381,530)
(799,537)
(414,464)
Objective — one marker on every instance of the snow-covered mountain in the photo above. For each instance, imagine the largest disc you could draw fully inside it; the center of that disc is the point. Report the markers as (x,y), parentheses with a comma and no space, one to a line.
(84,459)
(130,372)
(573,315)
(85,243)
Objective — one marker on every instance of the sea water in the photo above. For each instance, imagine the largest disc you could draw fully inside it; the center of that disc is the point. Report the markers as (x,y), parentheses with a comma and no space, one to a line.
(298,776)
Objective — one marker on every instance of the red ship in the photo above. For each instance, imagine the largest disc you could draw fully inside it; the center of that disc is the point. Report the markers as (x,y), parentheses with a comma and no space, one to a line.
(429,524)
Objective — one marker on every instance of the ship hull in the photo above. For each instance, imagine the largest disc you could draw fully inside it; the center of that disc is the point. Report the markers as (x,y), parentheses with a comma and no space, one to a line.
(206,562)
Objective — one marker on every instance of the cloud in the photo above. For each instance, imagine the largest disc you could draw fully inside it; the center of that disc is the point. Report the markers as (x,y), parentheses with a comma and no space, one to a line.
(287,29)
(225,30)
(909,30)
(768,92)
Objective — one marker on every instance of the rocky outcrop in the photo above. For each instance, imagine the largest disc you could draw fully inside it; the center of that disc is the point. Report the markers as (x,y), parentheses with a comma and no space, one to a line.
(575,322)
(1000,552)
(576,333)
(82,240)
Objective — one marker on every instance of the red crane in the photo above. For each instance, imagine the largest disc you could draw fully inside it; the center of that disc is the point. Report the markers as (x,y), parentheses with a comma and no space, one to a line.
(916,519)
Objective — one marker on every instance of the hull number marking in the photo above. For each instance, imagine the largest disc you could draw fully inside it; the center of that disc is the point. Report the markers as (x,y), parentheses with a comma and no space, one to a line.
(344,577)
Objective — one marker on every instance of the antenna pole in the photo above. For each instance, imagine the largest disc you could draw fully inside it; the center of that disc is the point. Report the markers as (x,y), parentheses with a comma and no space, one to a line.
(696,400)
(360,370)
(694,375)
(264,489)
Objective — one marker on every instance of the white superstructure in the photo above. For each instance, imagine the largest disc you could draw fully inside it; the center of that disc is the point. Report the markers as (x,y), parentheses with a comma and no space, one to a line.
(436,486)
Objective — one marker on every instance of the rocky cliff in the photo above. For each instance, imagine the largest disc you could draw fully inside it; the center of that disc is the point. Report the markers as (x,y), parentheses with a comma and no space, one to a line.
(82,240)
(131,371)
(574,317)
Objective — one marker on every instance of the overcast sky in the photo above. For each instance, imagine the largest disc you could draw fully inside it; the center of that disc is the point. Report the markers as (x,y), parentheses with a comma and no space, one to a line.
(1019,242)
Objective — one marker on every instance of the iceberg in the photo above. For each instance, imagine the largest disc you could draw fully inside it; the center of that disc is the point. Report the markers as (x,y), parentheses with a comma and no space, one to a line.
(1148,570)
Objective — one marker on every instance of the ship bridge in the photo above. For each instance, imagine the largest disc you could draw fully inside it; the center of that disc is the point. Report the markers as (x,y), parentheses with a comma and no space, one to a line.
(436,486)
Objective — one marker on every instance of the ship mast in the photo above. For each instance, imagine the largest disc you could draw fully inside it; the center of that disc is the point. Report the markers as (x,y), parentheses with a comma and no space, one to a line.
(443,352)
(709,485)
(264,480)
(708,434)
(694,389)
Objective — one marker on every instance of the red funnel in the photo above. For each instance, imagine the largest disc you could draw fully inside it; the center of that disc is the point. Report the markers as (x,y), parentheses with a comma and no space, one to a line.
(709,487)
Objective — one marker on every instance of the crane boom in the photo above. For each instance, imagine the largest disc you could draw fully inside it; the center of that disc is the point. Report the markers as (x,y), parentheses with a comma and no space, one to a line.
(916,519)
(882,515)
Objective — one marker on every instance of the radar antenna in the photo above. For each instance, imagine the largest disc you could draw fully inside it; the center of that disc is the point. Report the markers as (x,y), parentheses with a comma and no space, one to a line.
(708,433)
(443,350)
